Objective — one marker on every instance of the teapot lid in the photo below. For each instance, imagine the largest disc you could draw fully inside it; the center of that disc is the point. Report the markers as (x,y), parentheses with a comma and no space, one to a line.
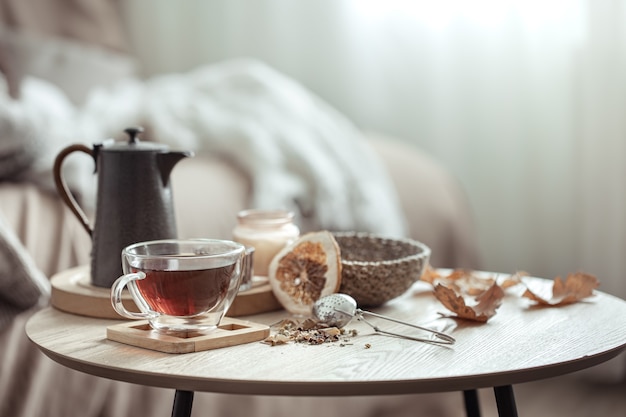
(133,143)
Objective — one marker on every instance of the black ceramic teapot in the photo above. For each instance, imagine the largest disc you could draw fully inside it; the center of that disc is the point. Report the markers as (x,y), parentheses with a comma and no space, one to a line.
(134,199)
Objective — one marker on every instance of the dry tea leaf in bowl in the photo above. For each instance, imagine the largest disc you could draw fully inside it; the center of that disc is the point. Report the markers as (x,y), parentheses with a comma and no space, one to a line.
(576,287)
(486,303)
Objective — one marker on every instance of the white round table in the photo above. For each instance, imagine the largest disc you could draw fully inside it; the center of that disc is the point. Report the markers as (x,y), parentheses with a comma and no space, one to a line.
(520,343)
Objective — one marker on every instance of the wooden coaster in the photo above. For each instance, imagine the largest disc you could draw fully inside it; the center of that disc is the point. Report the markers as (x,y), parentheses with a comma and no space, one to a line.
(230,332)
(73,292)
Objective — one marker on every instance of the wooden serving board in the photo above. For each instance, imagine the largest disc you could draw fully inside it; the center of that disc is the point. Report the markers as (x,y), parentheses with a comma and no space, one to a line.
(73,292)
(230,332)
(256,300)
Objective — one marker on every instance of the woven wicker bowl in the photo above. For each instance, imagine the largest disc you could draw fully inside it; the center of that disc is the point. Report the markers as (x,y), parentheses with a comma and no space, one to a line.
(377,269)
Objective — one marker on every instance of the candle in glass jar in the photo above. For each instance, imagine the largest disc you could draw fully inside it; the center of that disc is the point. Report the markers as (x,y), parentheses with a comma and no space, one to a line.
(268,231)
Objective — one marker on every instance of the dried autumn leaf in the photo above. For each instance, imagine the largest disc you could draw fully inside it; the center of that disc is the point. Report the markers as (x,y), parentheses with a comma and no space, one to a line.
(513,280)
(430,275)
(434,276)
(485,308)
(468,282)
(575,288)
(462,281)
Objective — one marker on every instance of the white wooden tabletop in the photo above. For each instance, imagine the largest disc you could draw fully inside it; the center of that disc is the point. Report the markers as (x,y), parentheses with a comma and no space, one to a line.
(519,344)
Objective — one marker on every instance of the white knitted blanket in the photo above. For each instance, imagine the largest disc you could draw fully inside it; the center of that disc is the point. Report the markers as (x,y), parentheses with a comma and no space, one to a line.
(300,153)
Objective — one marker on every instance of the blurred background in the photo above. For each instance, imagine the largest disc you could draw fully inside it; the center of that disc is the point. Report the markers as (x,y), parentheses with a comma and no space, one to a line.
(523,101)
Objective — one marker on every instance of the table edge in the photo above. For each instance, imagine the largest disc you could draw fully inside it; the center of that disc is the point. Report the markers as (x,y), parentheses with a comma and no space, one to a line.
(333,388)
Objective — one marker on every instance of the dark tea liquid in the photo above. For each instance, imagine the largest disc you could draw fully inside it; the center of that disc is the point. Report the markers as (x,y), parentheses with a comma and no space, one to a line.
(185,293)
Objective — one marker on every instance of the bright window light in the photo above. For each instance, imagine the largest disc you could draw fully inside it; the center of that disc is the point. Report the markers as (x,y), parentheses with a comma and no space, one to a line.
(439,14)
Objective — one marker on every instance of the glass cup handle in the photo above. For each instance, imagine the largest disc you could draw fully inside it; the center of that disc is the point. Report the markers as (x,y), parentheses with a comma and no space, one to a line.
(116,297)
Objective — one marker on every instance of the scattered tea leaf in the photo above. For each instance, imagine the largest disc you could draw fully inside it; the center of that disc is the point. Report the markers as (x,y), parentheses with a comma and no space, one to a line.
(307,331)
(276,339)
(575,288)
(486,303)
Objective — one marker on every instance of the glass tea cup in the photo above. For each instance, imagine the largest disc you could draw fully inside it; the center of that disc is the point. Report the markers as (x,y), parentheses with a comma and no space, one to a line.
(180,285)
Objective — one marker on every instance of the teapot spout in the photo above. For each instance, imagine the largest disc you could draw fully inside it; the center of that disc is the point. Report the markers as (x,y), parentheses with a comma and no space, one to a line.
(166,162)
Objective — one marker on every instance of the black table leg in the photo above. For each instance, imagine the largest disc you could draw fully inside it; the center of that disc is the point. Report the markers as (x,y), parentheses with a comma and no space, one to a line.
(505,401)
(183,401)
(472,408)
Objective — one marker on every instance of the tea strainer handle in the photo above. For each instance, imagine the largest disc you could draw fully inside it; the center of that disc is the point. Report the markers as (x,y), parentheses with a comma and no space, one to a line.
(442,338)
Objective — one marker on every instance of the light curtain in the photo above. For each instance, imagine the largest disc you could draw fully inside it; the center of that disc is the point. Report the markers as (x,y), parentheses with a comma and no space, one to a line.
(524,101)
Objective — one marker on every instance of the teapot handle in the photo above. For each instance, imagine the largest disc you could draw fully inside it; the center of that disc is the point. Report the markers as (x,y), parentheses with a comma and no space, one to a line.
(64,190)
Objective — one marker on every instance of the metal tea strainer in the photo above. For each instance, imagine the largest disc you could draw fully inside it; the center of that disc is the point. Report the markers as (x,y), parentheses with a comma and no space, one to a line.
(338,309)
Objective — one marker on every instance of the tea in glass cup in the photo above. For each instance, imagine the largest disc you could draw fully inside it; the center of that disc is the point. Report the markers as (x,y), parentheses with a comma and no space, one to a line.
(180,285)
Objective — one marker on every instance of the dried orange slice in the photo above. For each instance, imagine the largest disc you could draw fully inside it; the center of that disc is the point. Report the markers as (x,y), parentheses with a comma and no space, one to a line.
(305,270)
